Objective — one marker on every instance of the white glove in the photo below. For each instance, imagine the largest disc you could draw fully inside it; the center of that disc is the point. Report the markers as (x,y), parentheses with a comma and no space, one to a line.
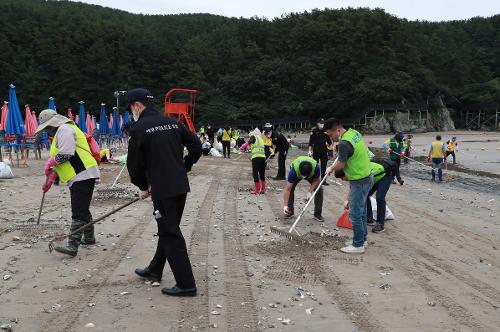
(329,170)
(287,211)
(310,153)
(308,196)
(143,194)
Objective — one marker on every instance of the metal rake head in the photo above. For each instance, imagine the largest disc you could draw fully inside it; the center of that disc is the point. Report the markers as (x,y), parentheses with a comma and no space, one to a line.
(288,235)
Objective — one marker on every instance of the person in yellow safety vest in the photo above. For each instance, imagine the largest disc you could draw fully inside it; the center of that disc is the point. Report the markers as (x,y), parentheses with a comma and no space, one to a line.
(227,135)
(105,155)
(258,163)
(451,147)
(436,155)
(72,162)
(268,142)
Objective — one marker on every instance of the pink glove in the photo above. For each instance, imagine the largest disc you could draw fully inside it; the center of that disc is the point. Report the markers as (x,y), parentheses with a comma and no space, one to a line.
(243,147)
(51,178)
(51,163)
(391,150)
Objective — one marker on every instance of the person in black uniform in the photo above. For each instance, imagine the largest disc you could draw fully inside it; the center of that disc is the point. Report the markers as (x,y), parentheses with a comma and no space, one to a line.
(156,165)
(318,146)
(282,146)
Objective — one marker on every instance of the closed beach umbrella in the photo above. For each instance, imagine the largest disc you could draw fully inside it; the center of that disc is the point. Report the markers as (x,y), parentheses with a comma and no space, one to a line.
(81,117)
(30,130)
(15,125)
(5,112)
(103,121)
(116,129)
(126,118)
(52,104)
(70,115)
(88,122)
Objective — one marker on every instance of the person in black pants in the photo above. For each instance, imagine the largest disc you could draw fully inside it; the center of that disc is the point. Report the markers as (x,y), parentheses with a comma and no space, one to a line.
(318,146)
(282,146)
(156,165)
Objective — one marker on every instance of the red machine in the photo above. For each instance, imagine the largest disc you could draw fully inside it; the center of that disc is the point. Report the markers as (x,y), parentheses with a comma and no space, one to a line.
(180,103)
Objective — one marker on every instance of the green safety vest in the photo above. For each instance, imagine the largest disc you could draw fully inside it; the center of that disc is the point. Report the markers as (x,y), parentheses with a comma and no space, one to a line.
(236,135)
(258,148)
(202,130)
(378,172)
(358,165)
(397,147)
(81,161)
(296,166)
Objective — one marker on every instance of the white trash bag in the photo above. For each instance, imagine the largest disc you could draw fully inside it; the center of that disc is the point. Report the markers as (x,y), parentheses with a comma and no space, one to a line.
(388,212)
(5,170)
(218,146)
(214,153)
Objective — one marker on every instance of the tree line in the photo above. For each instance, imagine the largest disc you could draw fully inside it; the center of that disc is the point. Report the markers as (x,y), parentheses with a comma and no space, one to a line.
(323,62)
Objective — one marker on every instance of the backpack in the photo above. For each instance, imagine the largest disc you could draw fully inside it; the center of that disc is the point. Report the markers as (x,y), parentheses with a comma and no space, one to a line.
(389,165)
(95,150)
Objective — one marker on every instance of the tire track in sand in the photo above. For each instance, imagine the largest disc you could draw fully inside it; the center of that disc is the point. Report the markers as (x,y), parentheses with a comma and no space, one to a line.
(346,300)
(194,311)
(240,303)
(68,316)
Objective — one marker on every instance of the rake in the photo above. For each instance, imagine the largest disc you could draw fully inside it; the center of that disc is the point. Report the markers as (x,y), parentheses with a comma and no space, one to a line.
(64,236)
(289,234)
(111,190)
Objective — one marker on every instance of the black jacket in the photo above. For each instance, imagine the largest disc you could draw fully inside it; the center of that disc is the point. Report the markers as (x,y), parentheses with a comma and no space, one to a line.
(155,154)
(280,142)
(318,140)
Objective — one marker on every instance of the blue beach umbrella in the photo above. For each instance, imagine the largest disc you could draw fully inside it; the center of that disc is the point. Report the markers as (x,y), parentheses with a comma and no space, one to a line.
(81,117)
(126,118)
(116,130)
(52,104)
(15,125)
(103,122)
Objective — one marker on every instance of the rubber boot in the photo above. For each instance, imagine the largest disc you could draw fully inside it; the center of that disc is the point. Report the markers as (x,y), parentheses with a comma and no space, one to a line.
(257,189)
(74,240)
(263,187)
(88,235)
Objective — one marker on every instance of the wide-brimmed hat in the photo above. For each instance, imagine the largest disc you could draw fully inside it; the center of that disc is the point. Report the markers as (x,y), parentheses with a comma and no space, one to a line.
(50,118)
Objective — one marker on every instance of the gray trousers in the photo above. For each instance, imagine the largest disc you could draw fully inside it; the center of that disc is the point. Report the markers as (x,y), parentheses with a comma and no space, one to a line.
(318,199)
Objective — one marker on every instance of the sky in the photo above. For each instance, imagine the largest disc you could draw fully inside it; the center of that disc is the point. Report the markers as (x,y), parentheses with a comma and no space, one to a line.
(430,10)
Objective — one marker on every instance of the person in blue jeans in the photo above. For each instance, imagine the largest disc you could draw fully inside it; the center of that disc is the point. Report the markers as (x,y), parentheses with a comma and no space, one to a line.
(381,183)
(353,159)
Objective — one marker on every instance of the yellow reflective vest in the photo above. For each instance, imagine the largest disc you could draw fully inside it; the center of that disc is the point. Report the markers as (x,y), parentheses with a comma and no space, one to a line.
(81,161)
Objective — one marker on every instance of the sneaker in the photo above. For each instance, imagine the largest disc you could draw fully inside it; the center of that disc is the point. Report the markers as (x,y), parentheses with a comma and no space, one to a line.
(350,249)
(401,182)
(371,222)
(393,182)
(348,243)
(378,228)
(326,183)
(319,218)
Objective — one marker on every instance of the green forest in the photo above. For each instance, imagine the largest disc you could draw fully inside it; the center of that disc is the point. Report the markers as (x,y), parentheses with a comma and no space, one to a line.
(324,62)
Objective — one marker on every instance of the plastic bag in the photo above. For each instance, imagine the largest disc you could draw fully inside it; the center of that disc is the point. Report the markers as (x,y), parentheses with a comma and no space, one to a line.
(388,212)
(5,171)
(215,153)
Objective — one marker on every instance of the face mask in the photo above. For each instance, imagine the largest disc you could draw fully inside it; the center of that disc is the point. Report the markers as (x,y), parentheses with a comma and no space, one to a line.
(135,116)
(320,126)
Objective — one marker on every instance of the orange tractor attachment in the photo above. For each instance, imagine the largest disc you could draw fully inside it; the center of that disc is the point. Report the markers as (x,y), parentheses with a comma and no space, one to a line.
(180,103)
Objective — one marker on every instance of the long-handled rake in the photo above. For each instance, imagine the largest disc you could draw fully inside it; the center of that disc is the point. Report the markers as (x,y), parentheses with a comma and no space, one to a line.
(448,177)
(64,236)
(298,237)
(111,190)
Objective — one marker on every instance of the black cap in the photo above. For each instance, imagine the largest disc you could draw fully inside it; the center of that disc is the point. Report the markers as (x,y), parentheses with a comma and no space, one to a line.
(320,120)
(139,94)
